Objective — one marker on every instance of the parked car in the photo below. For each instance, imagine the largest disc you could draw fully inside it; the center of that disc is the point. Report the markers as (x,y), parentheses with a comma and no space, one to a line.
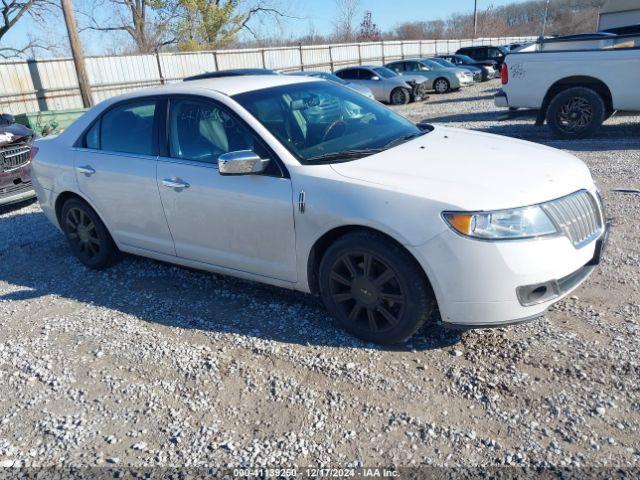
(475,71)
(15,161)
(485,52)
(234,72)
(489,67)
(512,46)
(334,78)
(386,86)
(382,218)
(574,83)
(438,78)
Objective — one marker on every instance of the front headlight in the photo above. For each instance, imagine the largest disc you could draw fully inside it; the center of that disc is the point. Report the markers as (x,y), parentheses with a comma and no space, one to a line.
(523,222)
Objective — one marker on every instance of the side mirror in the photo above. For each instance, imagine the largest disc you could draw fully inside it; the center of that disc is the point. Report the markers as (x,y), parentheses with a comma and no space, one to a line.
(375,78)
(242,162)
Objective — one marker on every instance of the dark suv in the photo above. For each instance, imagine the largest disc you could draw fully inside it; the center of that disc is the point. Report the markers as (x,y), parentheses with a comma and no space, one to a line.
(485,53)
(15,161)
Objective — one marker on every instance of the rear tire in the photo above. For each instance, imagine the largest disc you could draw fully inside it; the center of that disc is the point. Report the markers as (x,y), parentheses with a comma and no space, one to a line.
(374,288)
(576,113)
(441,85)
(88,237)
(400,96)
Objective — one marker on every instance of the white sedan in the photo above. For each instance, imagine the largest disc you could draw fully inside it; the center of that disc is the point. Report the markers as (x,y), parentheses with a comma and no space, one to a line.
(301,183)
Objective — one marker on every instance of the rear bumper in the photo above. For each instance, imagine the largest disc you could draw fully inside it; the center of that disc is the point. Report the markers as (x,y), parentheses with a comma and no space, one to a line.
(500,99)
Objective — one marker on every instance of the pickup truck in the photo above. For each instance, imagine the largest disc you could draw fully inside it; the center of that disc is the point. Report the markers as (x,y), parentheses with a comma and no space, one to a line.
(575,82)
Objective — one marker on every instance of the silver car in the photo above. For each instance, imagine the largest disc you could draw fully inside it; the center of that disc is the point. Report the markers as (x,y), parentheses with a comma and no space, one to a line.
(361,89)
(386,86)
(440,79)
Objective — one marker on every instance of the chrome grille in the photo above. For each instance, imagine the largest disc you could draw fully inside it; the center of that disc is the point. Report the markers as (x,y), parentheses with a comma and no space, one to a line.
(578,216)
(13,157)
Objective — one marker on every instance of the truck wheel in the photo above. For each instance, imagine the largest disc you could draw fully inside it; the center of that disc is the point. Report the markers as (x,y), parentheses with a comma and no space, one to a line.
(576,113)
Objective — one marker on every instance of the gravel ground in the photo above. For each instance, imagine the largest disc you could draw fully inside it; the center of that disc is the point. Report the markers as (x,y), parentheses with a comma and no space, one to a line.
(150,364)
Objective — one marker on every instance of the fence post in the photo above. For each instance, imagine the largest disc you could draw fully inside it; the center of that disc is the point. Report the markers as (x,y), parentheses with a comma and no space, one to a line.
(301,59)
(215,60)
(264,64)
(331,59)
(383,59)
(359,54)
(420,48)
(159,67)
(402,49)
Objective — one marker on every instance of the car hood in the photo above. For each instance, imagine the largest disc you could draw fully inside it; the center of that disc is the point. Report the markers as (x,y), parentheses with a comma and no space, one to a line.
(459,70)
(13,133)
(469,170)
(410,77)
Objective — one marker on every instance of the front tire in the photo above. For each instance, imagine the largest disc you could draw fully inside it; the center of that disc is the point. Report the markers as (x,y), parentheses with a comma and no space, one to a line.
(400,96)
(441,85)
(88,237)
(374,288)
(576,113)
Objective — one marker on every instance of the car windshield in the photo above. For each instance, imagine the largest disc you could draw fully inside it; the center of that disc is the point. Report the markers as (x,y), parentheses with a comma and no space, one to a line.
(431,64)
(384,72)
(466,59)
(321,122)
(444,63)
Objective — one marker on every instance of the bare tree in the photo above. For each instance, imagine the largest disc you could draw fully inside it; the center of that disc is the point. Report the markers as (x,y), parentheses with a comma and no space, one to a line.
(11,11)
(148,23)
(369,31)
(344,24)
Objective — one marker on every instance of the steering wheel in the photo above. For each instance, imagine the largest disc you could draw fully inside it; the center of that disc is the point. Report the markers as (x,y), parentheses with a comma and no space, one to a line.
(332,128)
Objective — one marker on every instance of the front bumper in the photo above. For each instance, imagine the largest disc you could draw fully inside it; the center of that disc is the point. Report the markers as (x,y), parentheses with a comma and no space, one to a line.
(500,99)
(17,193)
(476,282)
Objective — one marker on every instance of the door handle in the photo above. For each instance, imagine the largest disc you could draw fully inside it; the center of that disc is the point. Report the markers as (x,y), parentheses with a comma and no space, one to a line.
(175,183)
(88,170)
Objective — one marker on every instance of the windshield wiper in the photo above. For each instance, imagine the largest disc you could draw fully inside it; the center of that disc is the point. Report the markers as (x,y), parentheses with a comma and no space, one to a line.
(404,138)
(344,155)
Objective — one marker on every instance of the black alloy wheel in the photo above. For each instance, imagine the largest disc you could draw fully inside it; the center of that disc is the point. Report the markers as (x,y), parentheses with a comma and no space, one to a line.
(374,288)
(576,112)
(400,96)
(87,236)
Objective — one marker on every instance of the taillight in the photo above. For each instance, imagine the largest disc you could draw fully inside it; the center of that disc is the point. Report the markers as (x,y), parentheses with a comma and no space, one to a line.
(33,152)
(504,74)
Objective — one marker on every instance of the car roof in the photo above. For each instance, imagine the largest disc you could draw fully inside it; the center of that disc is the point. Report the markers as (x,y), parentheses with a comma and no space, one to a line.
(227,85)
(235,72)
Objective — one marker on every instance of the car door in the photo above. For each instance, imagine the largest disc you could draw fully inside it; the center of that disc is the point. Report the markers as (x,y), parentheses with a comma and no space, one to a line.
(115,166)
(367,78)
(242,222)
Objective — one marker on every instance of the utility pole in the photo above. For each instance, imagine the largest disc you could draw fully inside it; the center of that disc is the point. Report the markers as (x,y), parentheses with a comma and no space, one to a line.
(76,51)
(544,21)
(475,18)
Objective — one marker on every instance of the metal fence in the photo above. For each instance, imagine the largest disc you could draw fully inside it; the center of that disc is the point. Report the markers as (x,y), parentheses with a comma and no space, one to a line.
(39,85)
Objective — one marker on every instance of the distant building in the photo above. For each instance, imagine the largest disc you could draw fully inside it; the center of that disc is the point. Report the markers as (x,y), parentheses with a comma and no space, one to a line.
(620,16)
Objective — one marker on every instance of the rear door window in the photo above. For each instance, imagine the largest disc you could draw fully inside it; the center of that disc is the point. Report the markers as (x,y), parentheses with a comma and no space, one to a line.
(127,128)
(351,74)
